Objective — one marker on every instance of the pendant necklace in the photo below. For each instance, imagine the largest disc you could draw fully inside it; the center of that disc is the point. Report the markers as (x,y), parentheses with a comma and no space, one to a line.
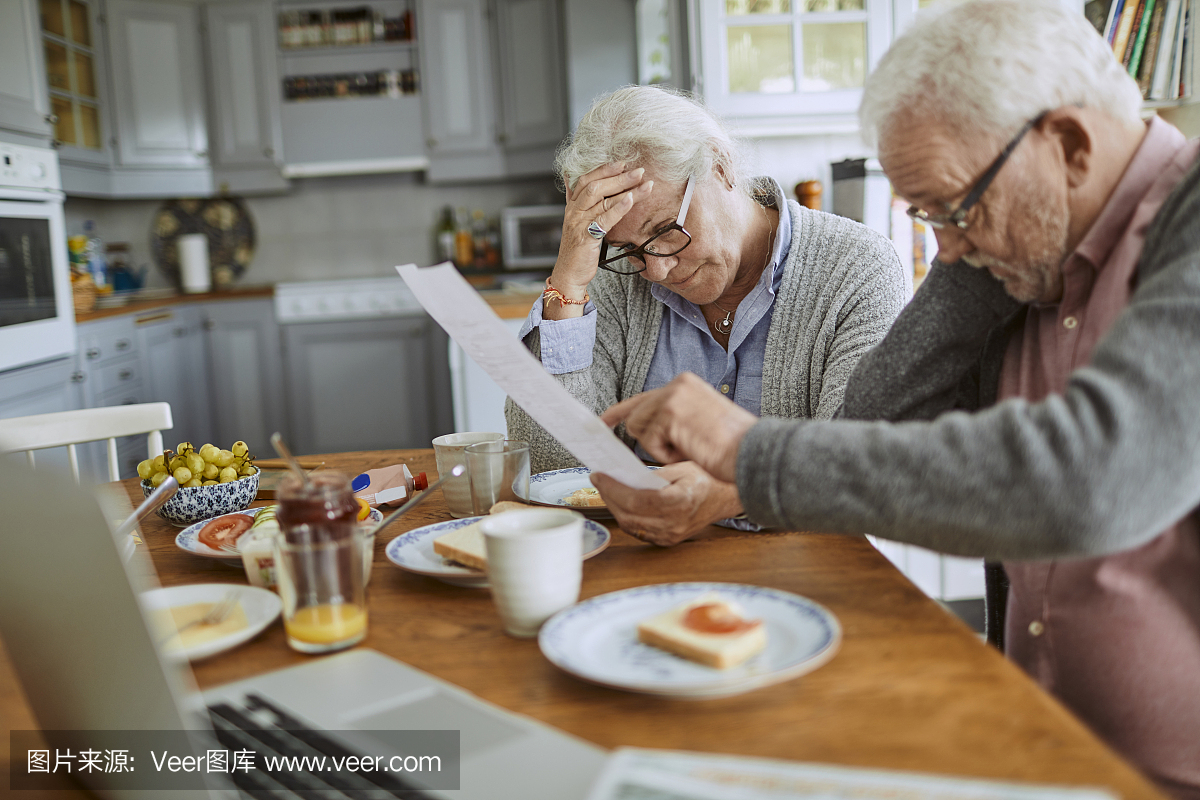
(723,327)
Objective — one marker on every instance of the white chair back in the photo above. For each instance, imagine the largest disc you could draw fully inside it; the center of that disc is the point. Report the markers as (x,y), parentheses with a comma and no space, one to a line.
(69,428)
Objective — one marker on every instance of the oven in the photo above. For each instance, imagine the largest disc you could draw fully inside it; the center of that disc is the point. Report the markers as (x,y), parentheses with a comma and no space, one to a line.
(37,314)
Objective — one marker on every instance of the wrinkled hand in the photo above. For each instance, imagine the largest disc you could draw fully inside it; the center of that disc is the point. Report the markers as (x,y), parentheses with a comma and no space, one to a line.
(686,420)
(604,196)
(667,516)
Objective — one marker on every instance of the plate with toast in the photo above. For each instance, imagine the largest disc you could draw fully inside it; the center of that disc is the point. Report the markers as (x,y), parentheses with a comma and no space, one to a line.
(453,551)
(691,640)
(569,488)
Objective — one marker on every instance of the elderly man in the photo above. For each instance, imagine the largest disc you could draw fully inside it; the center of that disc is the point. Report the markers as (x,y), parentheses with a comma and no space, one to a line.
(1041,388)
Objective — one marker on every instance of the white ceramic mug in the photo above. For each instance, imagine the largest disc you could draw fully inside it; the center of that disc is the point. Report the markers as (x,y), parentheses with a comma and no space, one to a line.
(535,565)
(448,450)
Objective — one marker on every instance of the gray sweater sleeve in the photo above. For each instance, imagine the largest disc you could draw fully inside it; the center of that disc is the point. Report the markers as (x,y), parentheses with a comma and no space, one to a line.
(1103,467)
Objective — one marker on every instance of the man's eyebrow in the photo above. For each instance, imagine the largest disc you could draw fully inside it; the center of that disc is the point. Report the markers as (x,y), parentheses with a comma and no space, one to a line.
(646,227)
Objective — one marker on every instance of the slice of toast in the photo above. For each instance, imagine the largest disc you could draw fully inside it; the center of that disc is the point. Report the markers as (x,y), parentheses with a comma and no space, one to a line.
(586,497)
(667,631)
(464,545)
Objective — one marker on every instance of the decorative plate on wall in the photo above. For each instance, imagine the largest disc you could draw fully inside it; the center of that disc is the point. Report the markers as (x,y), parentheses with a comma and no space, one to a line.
(226,223)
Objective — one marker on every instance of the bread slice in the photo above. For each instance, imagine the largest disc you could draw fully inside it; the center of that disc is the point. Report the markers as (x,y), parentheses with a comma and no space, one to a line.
(586,497)
(508,505)
(464,545)
(667,631)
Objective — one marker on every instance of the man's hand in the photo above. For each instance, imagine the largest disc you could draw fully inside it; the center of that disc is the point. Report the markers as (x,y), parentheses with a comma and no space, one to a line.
(669,515)
(686,420)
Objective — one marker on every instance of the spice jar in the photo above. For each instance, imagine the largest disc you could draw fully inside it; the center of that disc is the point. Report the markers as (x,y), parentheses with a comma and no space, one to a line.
(808,193)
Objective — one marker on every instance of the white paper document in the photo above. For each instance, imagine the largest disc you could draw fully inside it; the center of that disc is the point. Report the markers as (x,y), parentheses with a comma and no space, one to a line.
(470,321)
(637,774)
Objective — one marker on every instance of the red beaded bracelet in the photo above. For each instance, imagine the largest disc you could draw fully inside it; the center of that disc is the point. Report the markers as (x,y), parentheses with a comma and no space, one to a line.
(551,293)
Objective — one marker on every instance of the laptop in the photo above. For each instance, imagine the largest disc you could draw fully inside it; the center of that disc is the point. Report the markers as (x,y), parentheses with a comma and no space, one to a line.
(81,647)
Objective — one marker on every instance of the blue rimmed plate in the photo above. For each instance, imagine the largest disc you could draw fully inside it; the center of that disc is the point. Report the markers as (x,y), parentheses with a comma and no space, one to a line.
(413,551)
(189,538)
(596,640)
(549,489)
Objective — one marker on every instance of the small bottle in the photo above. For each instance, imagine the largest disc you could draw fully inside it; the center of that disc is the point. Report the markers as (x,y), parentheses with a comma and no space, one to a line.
(464,245)
(97,265)
(445,236)
(479,238)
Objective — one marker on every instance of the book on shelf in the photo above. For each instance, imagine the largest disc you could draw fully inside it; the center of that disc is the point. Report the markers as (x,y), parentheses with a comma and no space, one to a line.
(1150,55)
(1189,57)
(1164,62)
(1139,45)
(1099,12)
(1180,46)
(1114,21)
(1125,28)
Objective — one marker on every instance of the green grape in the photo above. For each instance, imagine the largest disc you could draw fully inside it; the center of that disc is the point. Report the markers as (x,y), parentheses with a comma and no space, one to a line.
(184,448)
(157,478)
(228,474)
(209,451)
(183,475)
(195,463)
(193,483)
(211,471)
(146,468)
(209,483)
(160,463)
(175,463)
(247,470)
(240,449)
(224,459)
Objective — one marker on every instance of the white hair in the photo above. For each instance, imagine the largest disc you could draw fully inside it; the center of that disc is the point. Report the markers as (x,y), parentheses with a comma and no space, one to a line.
(988,66)
(665,130)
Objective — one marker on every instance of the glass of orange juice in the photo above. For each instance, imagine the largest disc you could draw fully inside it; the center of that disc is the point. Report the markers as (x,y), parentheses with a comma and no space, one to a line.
(318,562)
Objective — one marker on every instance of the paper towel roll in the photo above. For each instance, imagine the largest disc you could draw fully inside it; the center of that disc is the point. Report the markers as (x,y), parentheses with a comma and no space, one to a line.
(193,263)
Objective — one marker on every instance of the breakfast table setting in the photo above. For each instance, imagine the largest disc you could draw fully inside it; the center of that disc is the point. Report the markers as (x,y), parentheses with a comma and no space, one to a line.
(891,680)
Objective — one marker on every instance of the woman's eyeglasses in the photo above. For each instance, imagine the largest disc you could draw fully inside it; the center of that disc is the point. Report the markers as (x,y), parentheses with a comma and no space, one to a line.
(669,241)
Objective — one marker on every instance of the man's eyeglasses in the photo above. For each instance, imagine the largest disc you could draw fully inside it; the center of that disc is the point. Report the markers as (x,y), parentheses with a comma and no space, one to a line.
(669,241)
(958,217)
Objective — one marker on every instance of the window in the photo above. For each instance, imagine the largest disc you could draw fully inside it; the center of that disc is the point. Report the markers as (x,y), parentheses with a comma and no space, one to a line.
(790,65)
(72,72)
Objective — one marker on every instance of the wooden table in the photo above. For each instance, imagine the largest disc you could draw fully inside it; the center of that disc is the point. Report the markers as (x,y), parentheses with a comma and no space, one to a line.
(912,688)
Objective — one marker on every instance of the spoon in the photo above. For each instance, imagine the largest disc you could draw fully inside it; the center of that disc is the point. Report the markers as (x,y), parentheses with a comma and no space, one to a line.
(159,496)
(417,500)
(293,464)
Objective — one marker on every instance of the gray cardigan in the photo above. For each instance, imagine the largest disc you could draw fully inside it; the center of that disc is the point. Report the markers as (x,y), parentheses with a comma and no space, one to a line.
(842,288)
(1104,467)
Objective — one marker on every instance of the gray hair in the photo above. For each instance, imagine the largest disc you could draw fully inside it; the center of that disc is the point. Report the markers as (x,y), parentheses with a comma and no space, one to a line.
(666,130)
(988,66)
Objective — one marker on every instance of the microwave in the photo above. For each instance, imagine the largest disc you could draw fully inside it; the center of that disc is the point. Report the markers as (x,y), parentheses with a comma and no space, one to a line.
(530,236)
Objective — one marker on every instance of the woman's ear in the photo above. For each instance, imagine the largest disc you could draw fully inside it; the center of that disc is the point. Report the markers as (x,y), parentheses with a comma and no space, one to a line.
(721,173)
(1074,137)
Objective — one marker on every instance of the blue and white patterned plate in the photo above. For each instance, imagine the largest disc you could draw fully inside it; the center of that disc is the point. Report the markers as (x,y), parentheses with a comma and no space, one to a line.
(597,640)
(549,489)
(413,551)
(189,538)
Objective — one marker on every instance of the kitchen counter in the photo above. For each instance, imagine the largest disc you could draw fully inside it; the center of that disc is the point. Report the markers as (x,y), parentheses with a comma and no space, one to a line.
(138,305)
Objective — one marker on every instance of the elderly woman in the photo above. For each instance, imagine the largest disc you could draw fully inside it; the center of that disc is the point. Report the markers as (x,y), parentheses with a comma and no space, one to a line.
(672,260)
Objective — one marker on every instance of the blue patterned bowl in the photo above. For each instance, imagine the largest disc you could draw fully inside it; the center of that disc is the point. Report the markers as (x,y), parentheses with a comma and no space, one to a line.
(189,506)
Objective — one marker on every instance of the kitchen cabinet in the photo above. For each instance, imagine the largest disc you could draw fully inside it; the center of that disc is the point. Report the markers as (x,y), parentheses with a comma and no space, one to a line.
(109,372)
(174,353)
(246,365)
(24,103)
(366,384)
(245,132)
(42,389)
(494,98)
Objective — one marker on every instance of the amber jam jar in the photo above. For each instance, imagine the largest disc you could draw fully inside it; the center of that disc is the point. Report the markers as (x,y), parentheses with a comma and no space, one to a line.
(324,510)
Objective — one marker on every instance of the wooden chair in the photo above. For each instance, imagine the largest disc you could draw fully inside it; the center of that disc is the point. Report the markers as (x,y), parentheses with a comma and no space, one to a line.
(69,428)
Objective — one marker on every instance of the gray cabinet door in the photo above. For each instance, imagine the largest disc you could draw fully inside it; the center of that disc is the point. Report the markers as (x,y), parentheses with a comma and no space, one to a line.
(457,92)
(368,385)
(175,357)
(158,84)
(44,389)
(24,104)
(246,359)
(244,118)
(533,108)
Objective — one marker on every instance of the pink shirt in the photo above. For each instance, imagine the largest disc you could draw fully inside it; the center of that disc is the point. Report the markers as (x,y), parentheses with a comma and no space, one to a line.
(1116,638)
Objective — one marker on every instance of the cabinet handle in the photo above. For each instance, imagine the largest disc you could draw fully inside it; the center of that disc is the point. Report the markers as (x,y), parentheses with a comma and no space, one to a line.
(93,353)
(125,374)
(51,119)
(179,333)
(268,151)
(210,324)
(78,377)
(129,401)
(122,344)
(502,138)
(431,142)
(201,154)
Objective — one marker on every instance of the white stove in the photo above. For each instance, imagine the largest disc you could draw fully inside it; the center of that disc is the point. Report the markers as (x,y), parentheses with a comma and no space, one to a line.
(344,300)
